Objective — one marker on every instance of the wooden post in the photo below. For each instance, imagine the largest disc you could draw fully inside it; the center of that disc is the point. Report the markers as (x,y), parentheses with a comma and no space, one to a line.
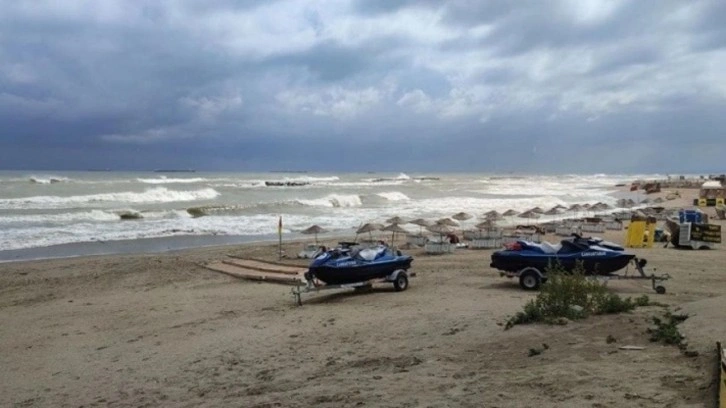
(279,235)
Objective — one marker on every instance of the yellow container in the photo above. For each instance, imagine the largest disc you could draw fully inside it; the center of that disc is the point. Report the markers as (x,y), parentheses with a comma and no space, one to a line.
(702,202)
(640,234)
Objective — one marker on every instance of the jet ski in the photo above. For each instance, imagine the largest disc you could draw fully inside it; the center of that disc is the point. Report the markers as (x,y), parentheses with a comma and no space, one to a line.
(351,264)
(596,256)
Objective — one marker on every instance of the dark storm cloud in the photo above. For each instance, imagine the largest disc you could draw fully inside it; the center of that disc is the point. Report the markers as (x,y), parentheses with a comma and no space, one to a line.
(254,85)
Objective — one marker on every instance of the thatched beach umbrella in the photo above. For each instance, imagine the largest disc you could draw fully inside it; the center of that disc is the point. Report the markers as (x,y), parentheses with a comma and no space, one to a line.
(462,216)
(575,207)
(441,229)
(485,225)
(536,210)
(492,213)
(315,229)
(423,223)
(448,222)
(394,228)
(510,213)
(396,220)
(495,216)
(560,206)
(369,228)
(529,215)
(553,211)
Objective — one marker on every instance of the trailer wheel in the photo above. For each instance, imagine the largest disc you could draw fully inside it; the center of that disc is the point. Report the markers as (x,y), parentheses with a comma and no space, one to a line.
(661,290)
(529,279)
(401,282)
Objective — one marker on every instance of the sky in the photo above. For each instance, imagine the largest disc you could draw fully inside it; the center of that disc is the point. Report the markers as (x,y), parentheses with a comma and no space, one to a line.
(364,85)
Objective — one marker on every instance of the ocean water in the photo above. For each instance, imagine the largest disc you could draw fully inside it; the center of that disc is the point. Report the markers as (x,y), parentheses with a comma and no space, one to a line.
(43,209)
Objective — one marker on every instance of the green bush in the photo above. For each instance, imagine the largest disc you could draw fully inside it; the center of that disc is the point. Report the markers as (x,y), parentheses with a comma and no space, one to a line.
(570,295)
(667,331)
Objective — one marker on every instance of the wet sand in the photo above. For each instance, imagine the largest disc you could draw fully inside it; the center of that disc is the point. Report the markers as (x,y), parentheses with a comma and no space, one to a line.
(159,330)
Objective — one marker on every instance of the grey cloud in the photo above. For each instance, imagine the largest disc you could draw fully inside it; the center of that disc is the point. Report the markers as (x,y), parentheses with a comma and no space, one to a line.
(81,92)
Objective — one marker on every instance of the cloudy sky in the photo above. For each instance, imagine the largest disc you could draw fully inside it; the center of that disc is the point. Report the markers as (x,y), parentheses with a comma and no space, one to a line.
(386,85)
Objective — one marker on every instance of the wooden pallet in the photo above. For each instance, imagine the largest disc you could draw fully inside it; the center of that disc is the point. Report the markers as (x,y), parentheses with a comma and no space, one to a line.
(259,270)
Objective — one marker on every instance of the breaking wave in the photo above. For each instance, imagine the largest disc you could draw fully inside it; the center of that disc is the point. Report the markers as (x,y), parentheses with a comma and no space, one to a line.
(153,195)
(334,200)
(394,196)
(48,179)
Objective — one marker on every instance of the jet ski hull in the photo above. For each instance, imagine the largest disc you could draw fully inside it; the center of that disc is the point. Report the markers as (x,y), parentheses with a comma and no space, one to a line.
(349,265)
(593,262)
(596,257)
(337,275)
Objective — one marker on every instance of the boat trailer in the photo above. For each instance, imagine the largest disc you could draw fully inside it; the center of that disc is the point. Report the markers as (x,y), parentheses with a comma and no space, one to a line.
(399,278)
(530,278)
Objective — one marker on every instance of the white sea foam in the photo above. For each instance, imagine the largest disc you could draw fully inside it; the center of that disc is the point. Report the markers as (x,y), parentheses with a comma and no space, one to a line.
(403,176)
(154,195)
(48,179)
(394,196)
(165,180)
(334,200)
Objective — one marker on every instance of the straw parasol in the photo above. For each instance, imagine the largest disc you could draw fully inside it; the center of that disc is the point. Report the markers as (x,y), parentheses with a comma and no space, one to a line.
(396,220)
(510,213)
(485,225)
(394,228)
(495,216)
(492,213)
(560,206)
(553,211)
(535,210)
(315,229)
(529,215)
(441,229)
(421,223)
(369,228)
(462,216)
(448,222)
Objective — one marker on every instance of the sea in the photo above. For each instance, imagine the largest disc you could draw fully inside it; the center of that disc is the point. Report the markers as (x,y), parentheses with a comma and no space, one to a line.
(63,214)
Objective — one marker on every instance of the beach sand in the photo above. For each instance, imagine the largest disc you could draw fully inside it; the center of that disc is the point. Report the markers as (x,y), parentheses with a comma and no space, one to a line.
(159,330)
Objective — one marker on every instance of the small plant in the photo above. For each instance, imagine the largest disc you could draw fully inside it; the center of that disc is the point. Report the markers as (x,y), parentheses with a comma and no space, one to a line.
(666,331)
(571,295)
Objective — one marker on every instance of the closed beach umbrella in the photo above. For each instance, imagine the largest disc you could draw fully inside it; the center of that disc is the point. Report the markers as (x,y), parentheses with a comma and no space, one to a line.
(448,222)
(396,220)
(394,228)
(462,216)
(510,213)
(315,229)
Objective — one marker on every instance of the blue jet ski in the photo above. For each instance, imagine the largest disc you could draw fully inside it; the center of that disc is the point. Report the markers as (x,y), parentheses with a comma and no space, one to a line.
(597,257)
(351,264)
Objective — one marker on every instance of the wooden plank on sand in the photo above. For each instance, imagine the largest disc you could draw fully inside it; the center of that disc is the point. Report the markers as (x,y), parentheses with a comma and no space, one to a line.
(244,273)
(265,266)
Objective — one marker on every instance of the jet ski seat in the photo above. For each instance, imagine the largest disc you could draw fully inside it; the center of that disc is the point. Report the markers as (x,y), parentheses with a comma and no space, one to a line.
(371,254)
(550,248)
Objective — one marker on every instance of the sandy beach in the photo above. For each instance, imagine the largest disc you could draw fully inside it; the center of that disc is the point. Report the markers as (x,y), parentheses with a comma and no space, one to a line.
(160,330)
